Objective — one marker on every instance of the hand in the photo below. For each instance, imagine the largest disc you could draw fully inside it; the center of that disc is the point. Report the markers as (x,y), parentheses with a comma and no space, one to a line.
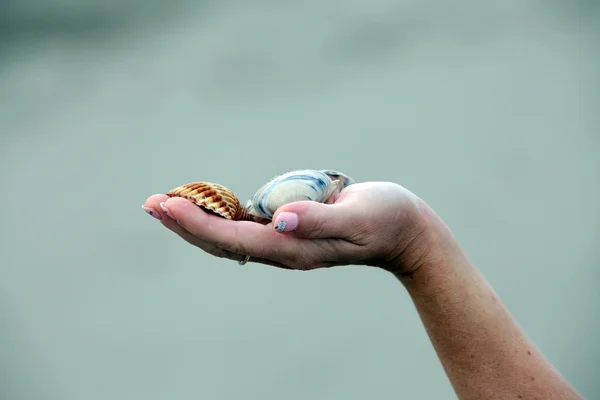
(376,223)
(384,225)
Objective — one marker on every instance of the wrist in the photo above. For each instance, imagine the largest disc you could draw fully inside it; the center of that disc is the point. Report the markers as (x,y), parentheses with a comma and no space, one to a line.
(429,246)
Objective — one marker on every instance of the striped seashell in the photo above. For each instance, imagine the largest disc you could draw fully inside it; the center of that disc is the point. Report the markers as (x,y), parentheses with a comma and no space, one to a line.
(214,198)
(301,185)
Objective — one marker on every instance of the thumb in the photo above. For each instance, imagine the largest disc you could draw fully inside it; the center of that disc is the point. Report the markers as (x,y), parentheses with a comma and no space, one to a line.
(313,220)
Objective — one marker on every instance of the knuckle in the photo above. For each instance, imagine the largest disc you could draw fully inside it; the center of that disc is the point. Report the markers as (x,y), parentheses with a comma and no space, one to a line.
(363,233)
(232,243)
(298,260)
(220,253)
(318,228)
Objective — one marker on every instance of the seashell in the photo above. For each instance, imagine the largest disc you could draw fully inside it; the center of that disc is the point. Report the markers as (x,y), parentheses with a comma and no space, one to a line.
(301,185)
(214,198)
(344,179)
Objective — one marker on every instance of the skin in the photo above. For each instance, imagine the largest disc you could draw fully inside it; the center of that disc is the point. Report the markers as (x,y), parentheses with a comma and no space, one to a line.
(484,352)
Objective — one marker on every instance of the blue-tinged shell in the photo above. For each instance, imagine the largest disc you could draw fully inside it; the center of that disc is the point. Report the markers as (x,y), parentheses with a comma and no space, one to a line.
(344,179)
(301,185)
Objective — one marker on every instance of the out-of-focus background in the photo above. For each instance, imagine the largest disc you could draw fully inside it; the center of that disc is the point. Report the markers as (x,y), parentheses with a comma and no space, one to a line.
(487,110)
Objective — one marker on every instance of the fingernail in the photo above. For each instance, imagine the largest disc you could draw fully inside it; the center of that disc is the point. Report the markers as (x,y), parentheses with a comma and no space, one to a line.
(152,212)
(286,222)
(166,210)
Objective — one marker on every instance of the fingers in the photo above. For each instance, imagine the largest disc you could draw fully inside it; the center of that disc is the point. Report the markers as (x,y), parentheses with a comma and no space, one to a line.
(309,219)
(263,243)
(152,207)
(239,237)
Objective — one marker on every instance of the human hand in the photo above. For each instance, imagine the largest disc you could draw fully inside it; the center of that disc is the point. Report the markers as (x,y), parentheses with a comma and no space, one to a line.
(375,223)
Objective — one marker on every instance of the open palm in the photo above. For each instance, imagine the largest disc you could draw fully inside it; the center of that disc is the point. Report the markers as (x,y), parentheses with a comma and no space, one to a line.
(371,223)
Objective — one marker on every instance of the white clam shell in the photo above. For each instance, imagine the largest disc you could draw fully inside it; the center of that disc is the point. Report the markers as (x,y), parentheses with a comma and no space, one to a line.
(344,179)
(301,185)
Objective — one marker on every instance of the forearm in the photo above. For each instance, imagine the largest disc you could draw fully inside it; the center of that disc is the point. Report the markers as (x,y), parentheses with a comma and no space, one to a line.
(484,352)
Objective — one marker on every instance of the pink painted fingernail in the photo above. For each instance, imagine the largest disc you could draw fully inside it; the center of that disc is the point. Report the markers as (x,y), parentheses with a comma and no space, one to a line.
(152,212)
(286,222)
(166,210)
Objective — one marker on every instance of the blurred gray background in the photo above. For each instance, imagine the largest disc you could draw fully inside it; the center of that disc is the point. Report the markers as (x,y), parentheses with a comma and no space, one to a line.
(487,110)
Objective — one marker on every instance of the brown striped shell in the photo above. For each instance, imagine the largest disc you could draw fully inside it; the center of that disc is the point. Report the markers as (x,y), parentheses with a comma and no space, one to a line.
(212,197)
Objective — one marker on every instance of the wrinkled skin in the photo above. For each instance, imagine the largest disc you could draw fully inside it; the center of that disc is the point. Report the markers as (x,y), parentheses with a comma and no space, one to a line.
(375,223)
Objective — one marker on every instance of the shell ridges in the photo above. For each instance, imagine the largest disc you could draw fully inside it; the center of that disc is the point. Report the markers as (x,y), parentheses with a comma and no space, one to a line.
(212,197)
